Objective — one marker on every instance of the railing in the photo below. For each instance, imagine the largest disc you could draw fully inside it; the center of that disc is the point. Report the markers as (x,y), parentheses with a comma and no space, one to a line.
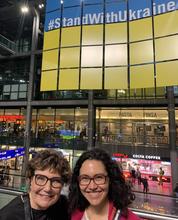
(7,44)
(153,216)
(144,215)
(149,140)
(13,182)
(11,192)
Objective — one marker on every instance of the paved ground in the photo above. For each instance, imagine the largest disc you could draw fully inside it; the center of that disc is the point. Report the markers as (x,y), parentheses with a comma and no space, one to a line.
(156,203)
(154,188)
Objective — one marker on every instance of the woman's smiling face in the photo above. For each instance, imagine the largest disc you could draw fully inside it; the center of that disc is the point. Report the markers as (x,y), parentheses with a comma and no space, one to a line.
(42,197)
(94,182)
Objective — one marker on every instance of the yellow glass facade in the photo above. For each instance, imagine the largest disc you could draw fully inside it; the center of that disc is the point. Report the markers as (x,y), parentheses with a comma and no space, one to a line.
(112,52)
(116,77)
(68,79)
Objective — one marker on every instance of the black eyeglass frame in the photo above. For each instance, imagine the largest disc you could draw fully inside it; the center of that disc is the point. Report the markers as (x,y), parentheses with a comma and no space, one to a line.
(92,178)
(52,180)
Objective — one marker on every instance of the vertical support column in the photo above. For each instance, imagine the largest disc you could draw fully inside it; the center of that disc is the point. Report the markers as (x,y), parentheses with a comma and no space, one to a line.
(27,136)
(91,121)
(172,135)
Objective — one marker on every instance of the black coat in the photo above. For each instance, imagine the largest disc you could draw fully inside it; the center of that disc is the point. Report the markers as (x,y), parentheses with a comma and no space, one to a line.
(15,211)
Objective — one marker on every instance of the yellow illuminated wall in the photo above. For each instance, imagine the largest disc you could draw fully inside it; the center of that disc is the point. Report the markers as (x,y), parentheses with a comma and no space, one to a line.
(137,54)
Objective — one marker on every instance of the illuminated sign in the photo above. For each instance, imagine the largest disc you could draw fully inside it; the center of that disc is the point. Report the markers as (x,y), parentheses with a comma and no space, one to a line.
(8,154)
(94,14)
(11,117)
(120,155)
(147,157)
(68,134)
(115,44)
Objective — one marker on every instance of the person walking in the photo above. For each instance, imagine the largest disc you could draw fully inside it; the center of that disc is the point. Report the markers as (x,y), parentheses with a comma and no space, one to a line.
(161,174)
(46,173)
(139,178)
(145,185)
(176,192)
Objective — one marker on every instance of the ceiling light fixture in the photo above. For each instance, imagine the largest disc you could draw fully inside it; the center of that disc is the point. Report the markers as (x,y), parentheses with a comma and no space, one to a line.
(24,9)
(41,6)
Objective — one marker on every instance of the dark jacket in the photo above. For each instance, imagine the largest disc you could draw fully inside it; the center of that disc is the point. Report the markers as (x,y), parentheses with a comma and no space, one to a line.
(15,211)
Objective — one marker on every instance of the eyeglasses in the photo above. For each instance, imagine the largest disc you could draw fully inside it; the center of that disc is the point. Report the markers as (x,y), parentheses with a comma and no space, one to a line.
(41,180)
(99,179)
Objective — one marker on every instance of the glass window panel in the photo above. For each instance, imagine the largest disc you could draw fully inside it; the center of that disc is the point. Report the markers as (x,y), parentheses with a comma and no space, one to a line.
(45,123)
(23,87)
(116,55)
(150,92)
(92,1)
(69,3)
(116,77)
(1,111)
(141,52)
(91,78)
(69,57)
(161,6)
(166,48)
(166,77)
(51,39)
(81,122)
(49,80)
(140,29)
(160,91)
(116,33)
(52,5)
(71,17)
(112,9)
(96,17)
(142,76)
(46,111)
(92,56)
(52,20)
(6,88)
(92,35)
(22,95)
(14,96)
(67,40)
(14,88)
(12,111)
(50,60)
(166,24)
(65,75)
(145,5)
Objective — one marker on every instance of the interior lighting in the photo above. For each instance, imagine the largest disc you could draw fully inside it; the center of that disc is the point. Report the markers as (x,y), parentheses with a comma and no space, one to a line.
(41,6)
(24,9)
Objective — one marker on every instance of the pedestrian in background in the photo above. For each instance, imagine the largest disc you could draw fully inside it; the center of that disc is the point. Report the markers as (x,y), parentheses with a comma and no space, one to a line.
(176,191)
(46,174)
(98,189)
(145,185)
(161,174)
(138,174)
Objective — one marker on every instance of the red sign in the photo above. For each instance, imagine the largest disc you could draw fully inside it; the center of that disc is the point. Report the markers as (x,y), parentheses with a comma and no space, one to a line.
(120,155)
(11,117)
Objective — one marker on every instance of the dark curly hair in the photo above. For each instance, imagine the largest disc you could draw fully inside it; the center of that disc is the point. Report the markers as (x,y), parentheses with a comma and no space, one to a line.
(119,192)
(49,159)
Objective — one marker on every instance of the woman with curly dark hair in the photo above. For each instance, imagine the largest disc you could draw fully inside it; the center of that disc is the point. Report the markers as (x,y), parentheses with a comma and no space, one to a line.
(98,189)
